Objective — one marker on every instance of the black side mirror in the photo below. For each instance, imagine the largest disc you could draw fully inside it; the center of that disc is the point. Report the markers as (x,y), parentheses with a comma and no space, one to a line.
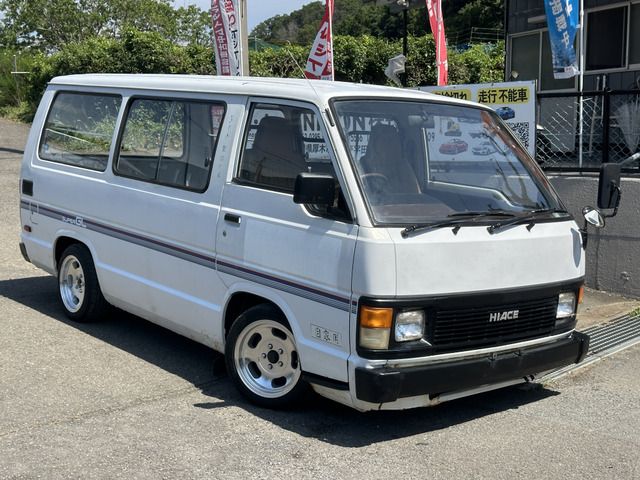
(314,189)
(609,186)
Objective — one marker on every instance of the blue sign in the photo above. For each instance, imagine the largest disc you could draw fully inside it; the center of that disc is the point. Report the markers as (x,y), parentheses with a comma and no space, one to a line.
(562,19)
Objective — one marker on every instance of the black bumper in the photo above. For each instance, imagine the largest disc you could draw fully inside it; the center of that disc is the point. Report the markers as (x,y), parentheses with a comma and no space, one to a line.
(388,384)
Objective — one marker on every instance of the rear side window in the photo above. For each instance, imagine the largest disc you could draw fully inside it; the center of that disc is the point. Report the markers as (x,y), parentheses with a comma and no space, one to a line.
(79,129)
(170,142)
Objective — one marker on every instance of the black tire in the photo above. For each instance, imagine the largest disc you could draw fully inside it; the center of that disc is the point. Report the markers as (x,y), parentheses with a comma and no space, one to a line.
(79,292)
(262,359)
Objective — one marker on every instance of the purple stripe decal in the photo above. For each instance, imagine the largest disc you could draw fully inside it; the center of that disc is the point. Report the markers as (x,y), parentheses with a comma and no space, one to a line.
(96,226)
(284,282)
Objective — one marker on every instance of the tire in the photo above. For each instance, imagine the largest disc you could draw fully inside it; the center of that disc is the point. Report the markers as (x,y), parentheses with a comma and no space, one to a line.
(262,358)
(78,287)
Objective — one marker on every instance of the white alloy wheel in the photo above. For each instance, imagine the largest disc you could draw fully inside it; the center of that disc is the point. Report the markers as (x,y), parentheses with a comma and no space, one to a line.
(266,360)
(72,284)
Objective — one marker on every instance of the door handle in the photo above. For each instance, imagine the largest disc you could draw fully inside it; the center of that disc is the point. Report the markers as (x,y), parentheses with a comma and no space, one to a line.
(231,218)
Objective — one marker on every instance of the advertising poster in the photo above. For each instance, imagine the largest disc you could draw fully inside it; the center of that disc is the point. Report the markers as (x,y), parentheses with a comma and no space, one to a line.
(514,102)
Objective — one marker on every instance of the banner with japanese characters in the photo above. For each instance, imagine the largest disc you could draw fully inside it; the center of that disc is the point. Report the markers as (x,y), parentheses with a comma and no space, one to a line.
(562,20)
(514,102)
(434,8)
(320,61)
(227,36)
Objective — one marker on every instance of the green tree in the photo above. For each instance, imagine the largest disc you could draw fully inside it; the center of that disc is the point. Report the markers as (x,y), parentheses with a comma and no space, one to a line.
(364,17)
(50,24)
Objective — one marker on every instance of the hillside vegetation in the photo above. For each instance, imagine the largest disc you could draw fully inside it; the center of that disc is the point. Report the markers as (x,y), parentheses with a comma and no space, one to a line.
(149,36)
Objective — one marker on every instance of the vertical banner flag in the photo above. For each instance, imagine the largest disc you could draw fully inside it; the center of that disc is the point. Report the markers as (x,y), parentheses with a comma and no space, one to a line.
(227,36)
(562,19)
(434,7)
(320,61)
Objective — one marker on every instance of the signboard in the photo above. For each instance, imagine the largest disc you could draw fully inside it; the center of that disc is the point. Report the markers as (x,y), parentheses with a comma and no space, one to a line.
(514,102)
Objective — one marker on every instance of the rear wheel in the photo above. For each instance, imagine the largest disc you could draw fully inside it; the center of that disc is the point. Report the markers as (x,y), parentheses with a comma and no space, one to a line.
(262,358)
(79,289)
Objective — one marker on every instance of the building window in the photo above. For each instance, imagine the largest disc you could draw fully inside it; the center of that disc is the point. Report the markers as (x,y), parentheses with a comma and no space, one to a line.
(634,35)
(606,39)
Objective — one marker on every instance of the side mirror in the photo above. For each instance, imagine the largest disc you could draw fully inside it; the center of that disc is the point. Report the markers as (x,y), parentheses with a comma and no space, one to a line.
(609,186)
(314,189)
(593,217)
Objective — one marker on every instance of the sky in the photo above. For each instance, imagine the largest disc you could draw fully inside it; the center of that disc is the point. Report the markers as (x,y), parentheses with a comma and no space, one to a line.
(258,10)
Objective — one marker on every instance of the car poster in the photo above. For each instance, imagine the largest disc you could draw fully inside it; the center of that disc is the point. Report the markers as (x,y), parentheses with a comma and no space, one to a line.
(514,102)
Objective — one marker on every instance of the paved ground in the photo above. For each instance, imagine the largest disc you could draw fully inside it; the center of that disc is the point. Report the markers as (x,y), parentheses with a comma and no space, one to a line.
(126,399)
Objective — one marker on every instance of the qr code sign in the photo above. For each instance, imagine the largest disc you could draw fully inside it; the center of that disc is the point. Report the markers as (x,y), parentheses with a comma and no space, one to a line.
(521,130)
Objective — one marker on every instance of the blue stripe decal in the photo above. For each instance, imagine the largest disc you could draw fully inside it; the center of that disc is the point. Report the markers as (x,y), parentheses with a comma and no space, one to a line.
(304,291)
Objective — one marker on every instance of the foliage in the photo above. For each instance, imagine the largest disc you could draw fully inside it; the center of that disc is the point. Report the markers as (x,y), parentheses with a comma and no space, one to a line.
(14,88)
(49,25)
(285,62)
(134,52)
(481,63)
(359,18)
(356,59)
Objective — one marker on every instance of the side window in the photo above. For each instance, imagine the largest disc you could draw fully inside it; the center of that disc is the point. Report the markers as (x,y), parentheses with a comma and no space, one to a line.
(79,129)
(170,142)
(282,141)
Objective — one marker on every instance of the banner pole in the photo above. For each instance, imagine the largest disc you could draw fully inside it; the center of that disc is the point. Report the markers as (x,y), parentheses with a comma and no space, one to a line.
(581,84)
(245,38)
(333,71)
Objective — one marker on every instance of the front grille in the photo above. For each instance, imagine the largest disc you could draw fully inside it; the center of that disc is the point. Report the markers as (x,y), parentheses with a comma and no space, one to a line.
(470,327)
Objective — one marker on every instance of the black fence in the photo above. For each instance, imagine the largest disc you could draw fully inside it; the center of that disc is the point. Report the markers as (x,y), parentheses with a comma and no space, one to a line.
(610,130)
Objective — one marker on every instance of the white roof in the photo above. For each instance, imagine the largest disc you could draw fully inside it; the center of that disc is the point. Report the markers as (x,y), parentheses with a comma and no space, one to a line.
(298,89)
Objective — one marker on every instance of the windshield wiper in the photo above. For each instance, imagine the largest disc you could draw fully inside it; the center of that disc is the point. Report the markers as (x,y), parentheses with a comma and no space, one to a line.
(454,220)
(530,217)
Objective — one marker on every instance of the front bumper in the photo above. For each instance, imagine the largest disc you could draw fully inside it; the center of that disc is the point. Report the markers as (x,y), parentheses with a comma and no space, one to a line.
(382,385)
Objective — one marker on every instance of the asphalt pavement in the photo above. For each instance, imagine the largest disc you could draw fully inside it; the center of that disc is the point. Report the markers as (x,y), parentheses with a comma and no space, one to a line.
(127,399)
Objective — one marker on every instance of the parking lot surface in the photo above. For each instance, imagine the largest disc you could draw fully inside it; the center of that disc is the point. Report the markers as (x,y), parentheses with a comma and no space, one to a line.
(126,399)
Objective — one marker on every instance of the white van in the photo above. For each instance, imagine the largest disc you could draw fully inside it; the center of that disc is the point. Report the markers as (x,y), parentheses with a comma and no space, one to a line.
(317,233)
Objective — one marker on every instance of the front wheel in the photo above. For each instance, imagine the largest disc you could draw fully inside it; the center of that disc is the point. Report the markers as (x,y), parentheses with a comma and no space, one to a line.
(262,358)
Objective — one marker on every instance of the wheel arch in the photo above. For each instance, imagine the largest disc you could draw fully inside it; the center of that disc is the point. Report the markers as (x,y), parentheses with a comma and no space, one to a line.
(66,238)
(244,296)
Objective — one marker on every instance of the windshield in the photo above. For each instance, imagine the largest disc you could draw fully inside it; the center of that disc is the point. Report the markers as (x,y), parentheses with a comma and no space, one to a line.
(420,162)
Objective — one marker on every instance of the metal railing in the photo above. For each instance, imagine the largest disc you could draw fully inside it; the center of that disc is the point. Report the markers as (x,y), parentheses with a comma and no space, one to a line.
(610,132)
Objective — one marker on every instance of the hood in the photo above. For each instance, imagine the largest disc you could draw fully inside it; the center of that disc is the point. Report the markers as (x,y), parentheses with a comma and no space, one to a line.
(440,262)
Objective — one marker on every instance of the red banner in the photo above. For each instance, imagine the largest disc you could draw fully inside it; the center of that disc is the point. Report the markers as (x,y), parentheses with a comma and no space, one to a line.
(320,61)
(227,36)
(434,7)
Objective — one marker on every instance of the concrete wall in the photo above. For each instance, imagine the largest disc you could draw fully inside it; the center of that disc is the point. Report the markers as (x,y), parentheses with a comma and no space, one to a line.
(613,253)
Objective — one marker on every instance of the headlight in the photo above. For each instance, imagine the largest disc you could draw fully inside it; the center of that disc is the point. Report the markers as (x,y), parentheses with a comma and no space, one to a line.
(566,305)
(409,325)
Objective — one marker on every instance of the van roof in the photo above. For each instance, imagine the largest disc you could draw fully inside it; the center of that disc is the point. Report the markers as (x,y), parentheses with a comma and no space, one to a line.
(299,89)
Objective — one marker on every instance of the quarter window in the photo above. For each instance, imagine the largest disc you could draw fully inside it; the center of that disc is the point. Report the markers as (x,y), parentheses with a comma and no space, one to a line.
(79,130)
(170,142)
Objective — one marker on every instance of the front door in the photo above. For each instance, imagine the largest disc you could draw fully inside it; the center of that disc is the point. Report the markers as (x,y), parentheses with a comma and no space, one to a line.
(296,255)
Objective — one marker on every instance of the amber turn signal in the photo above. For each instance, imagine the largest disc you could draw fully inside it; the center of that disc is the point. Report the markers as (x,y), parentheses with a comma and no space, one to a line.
(373,317)
(580,294)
